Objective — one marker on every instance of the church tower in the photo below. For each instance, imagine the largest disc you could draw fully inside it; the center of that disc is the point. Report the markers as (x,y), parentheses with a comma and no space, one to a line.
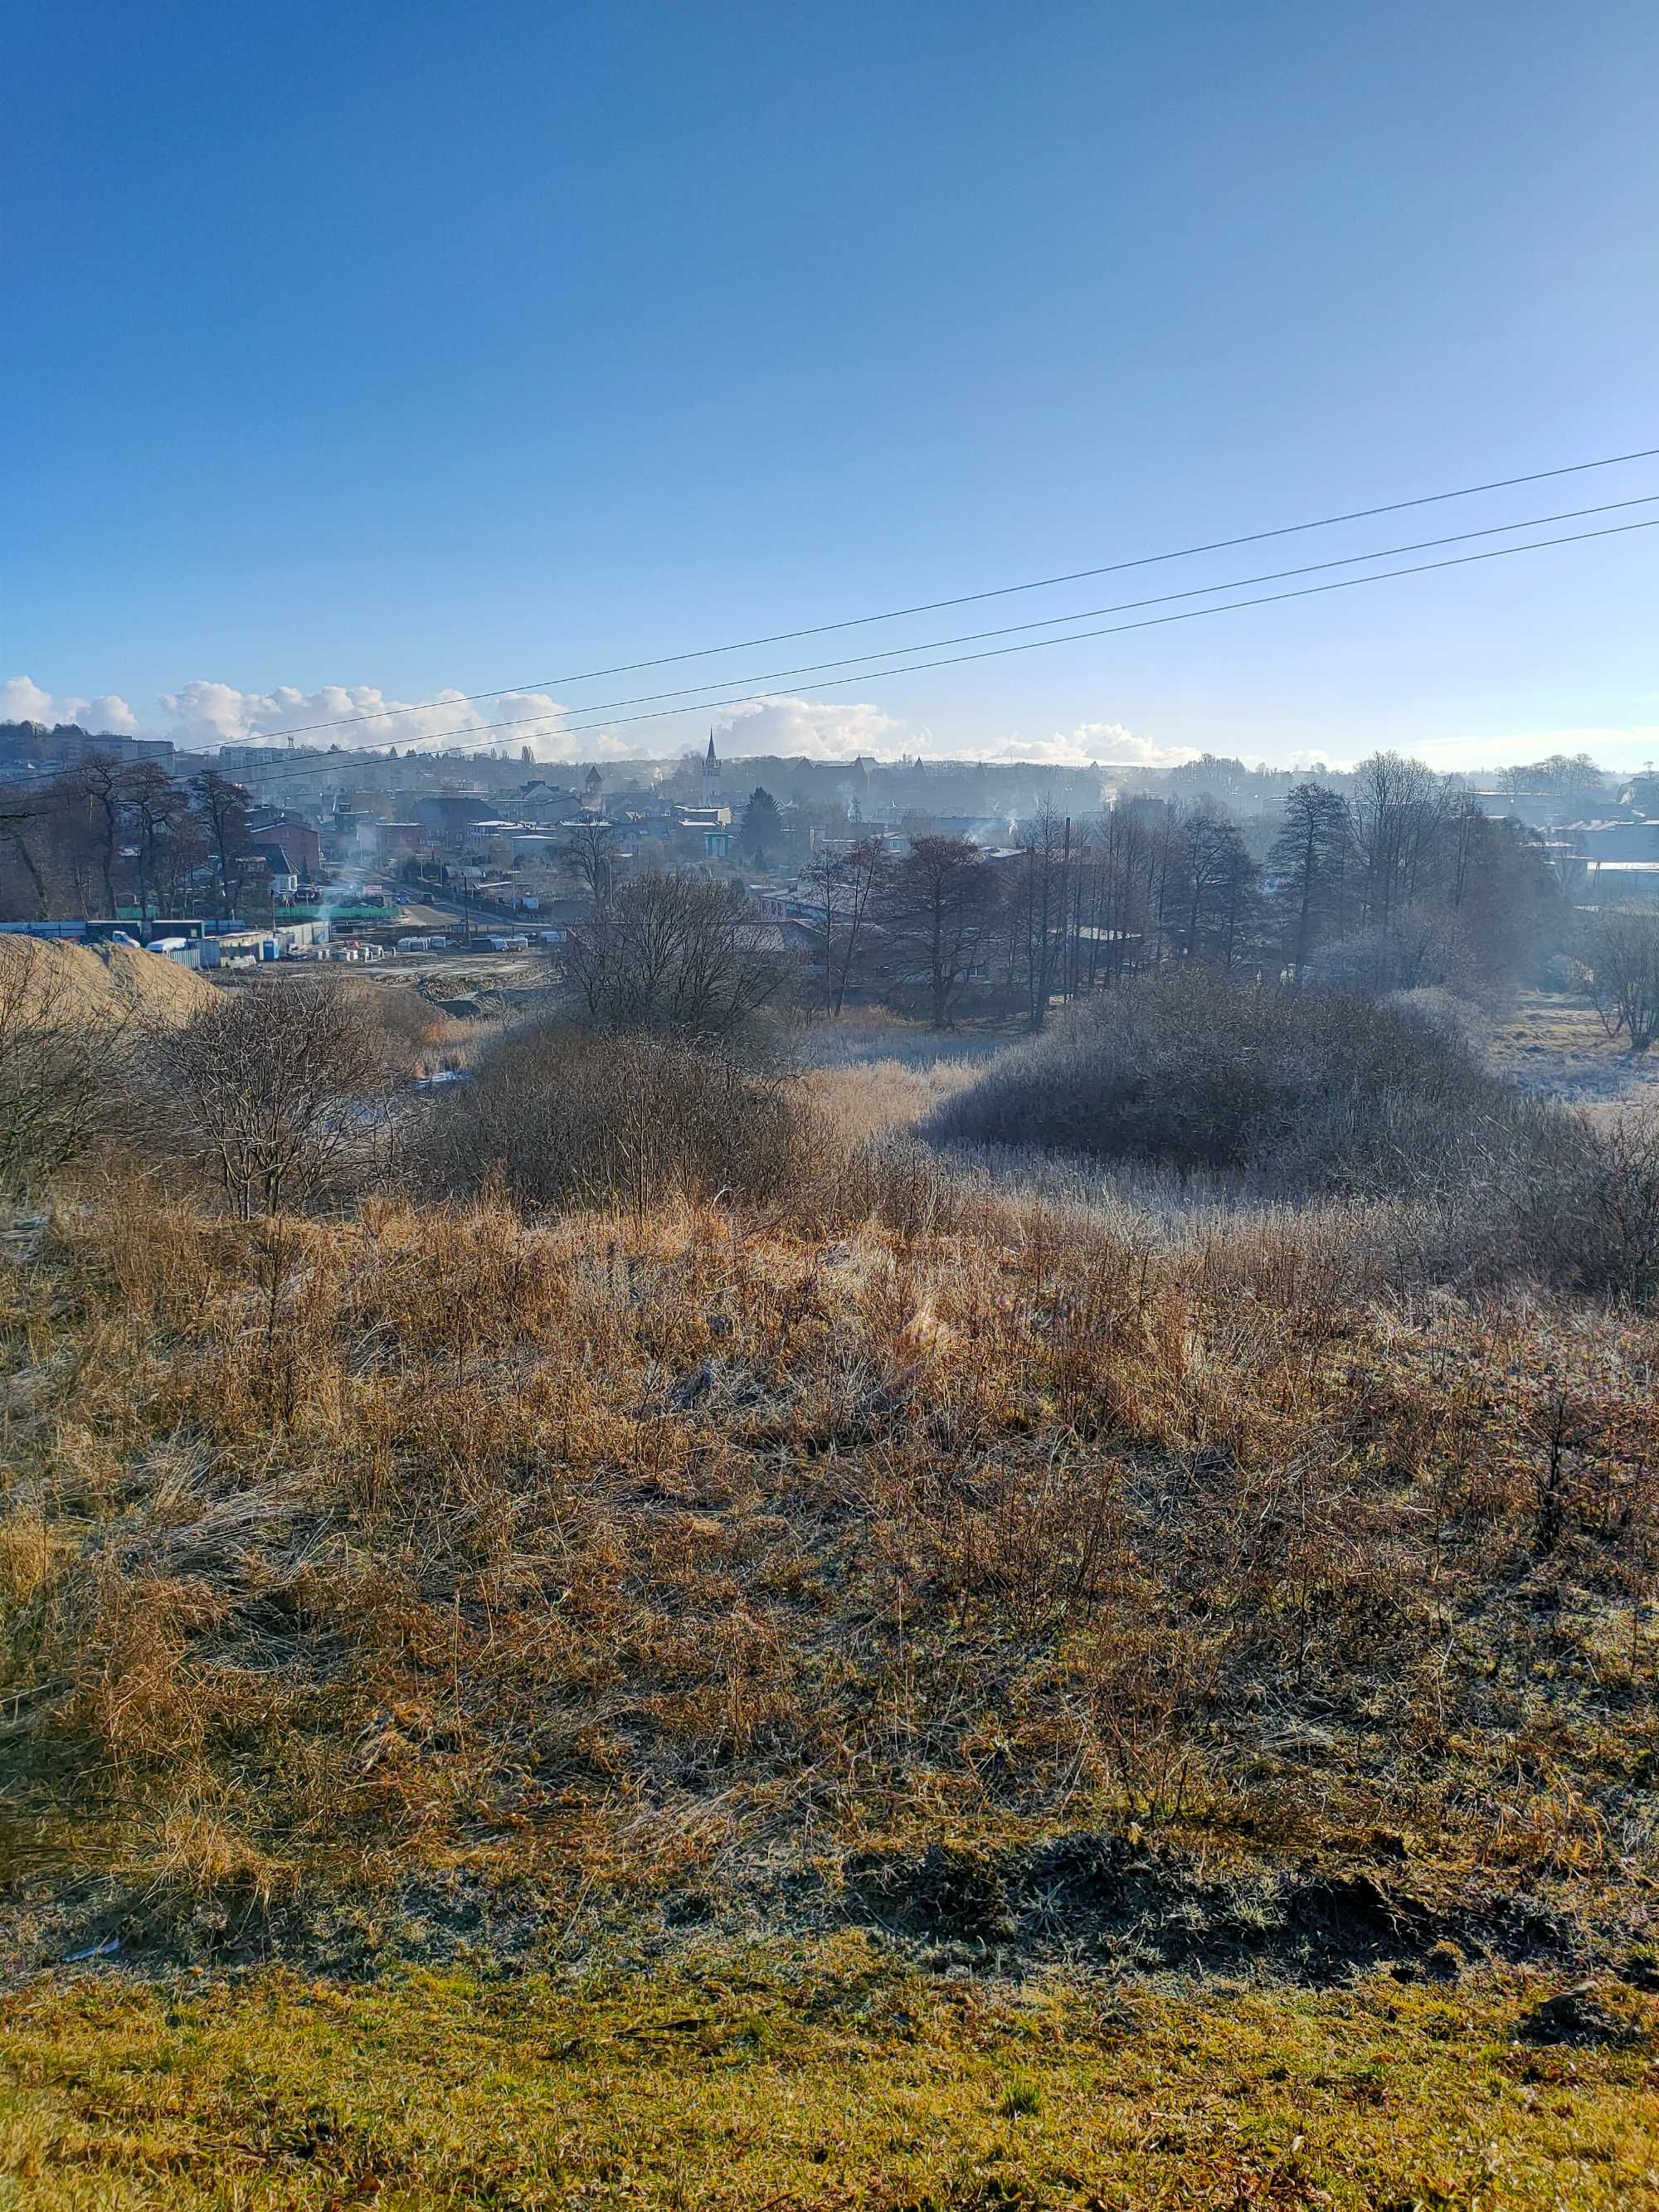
(711,775)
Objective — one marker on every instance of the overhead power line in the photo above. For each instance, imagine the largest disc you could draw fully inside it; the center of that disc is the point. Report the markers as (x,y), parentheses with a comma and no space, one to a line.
(997,592)
(604,706)
(1072,637)
(1153,621)
(1083,614)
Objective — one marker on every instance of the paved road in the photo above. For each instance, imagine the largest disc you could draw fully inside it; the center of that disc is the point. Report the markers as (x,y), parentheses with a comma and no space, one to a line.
(434,910)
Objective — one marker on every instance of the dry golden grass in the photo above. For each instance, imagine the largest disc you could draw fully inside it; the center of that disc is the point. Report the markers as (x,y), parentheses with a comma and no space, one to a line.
(1551,1030)
(871,1098)
(678,1552)
(1554,1042)
(424,1037)
(1212,1666)
(874,1072)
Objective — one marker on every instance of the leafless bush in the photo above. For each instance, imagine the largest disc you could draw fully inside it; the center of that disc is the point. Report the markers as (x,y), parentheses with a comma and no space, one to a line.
(1589,1211)
(281,1091)
(1204,1109)
(567,1118)
(1307,1091)
(1467,1023)
(62,1071)
(1425,947)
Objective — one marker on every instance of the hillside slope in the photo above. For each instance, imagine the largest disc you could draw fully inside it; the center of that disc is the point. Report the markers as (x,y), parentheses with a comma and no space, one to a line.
(681,1561)
(689,1711)
(894,1693)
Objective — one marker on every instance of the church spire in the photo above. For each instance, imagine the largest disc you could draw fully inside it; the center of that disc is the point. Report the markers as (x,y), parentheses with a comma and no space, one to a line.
(711,775)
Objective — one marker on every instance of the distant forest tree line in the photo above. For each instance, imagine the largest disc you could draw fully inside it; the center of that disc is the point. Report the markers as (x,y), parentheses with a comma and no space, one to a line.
(1400,883)
(108,833)
(1388,877)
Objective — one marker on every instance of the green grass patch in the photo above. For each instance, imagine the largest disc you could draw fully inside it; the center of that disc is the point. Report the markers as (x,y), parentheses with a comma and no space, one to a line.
(794,2076)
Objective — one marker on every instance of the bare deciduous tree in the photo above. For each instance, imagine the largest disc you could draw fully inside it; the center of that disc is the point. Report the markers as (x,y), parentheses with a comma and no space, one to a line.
(100,782)
(1399,804)
(938,911)
(846,890)
(222,809)
(1620,951)
(282,1088)
(167,833)
(23,816)
(675,957)
(1040,896)
(1118,909)
(589,854)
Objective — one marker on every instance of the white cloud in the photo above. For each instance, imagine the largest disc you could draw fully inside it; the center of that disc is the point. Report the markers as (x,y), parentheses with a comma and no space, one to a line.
(1112,744)
(21,699)
(204,713)
(109,711)
(818,729)
(208,714)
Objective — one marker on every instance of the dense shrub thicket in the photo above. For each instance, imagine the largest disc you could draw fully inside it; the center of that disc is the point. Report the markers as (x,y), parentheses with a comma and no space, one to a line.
(1299,1094)
(563,1116)
(1317,1091)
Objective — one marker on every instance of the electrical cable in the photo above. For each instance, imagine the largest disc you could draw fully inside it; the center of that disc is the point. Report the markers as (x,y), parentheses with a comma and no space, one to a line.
(606,707)
(1001,591)
(1037,645)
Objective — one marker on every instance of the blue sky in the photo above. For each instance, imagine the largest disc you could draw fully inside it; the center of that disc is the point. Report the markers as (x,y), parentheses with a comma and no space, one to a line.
(368,353)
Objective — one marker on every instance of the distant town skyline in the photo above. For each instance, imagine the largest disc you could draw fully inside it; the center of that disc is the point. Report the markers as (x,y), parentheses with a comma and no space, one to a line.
(205,716)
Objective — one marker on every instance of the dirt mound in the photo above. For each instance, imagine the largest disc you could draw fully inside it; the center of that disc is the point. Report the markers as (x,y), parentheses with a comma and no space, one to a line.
(73,983)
